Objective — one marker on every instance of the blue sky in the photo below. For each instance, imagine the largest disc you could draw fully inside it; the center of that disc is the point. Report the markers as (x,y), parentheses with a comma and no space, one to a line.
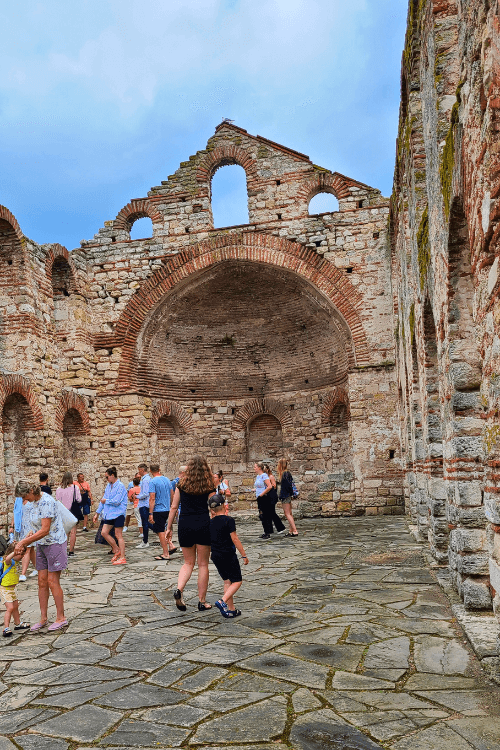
(101,99)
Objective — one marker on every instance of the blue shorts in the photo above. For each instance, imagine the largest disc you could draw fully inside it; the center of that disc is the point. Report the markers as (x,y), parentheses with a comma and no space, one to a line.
(85,509)
(118,522)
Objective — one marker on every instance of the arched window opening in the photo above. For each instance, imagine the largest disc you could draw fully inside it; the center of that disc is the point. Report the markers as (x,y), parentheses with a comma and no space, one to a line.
(16,419)
(62,278)
(434,432)
(465,367)
(74,442)
(141,229)
(339,418)
(323,203)
(168,428)
(10,256)
(264,438)
(229,196)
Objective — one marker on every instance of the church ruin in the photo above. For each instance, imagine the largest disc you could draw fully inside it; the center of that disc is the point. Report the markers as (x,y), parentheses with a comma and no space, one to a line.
(362,344)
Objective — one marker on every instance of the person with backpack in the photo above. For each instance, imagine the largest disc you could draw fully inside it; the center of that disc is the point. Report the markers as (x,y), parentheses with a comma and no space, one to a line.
(287,493)
(8,590)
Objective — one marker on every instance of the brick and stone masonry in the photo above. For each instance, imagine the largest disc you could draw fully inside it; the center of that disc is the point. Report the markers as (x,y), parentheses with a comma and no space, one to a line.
(275,338)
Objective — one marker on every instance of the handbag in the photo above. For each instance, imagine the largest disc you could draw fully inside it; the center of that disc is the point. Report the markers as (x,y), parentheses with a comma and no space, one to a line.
(67,518)
(76,507)
(295,491)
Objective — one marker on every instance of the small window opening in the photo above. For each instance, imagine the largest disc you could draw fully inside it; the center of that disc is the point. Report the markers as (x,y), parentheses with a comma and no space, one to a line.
(110,352)
(306,380)
(183,200)
(193,390)
(392,453)
(376,235)
(9,262)
(195,410)
(233,411)
(323,203)
(224,442)
(112,444)
(186,230)
(229,196)
(349,270)
(278,182)
(141,229)
(292,407)
(318,244)
(251,388)
(64,338)
(113,239)
(91,444)
(360,204)
(279,217)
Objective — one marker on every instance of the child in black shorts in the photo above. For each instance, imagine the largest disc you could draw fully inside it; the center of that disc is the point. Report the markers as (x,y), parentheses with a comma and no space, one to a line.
(225,542)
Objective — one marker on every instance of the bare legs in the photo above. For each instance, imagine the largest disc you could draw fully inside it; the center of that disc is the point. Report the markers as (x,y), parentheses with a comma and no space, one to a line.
(12,610)
(30,554)
(287,510)
(106,533)
(72,539)
(50,581)
(230,590)
(190,553)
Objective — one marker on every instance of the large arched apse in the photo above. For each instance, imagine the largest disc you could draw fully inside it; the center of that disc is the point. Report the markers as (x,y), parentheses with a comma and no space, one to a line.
(242,329)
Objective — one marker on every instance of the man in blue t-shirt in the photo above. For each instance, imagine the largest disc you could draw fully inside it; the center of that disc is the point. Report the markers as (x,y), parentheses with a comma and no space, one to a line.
(160,497)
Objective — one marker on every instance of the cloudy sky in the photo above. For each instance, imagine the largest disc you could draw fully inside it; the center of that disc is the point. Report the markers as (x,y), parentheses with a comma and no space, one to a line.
(101,99)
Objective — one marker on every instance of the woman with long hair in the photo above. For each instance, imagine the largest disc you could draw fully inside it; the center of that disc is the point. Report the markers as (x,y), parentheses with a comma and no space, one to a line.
(273,499)
(70,496)
(195,486)
(286,495)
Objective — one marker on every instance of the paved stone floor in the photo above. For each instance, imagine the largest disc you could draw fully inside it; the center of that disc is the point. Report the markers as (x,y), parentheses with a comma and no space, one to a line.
(346,643)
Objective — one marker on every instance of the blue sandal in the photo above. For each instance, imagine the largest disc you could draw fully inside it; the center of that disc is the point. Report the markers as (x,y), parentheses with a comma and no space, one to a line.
(234,612)
(222,607)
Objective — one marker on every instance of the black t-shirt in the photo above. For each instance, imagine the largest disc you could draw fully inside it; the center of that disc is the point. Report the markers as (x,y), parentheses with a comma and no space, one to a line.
(46,488)
(193,505)
(221,528)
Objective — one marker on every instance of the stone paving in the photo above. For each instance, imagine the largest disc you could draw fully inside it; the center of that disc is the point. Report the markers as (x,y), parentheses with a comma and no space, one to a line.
(346,643)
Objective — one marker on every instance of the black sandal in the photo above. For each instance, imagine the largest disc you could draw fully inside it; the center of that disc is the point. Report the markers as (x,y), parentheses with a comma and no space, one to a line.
(202,606)
(290,534)
(160,557)
(179,601)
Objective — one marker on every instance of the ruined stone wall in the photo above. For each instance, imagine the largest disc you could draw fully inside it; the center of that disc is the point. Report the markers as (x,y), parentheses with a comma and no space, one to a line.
(269,339)
(444,228)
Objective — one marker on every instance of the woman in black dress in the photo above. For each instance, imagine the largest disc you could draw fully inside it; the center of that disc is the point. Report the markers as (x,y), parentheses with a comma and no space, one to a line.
(192,491)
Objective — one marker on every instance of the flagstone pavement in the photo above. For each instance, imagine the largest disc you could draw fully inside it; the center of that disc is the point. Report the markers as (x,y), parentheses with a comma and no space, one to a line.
(346,642)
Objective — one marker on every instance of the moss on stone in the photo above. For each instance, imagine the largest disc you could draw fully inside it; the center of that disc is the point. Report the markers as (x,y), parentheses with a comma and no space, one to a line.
(423,247)
(448,155)
(262,152)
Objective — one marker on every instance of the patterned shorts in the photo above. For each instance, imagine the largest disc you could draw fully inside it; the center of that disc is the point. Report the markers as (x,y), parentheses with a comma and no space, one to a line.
(8,594)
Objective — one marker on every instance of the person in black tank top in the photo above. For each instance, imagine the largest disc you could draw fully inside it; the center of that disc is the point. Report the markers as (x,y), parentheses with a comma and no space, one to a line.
(192,492)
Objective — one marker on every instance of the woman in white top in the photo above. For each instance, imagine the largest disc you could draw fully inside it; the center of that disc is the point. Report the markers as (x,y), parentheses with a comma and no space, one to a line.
(222,488)
(67,494)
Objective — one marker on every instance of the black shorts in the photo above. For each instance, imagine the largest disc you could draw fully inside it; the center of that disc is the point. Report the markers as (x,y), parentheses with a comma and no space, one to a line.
(191,531)
(160,518)
(228,567)
(118,522)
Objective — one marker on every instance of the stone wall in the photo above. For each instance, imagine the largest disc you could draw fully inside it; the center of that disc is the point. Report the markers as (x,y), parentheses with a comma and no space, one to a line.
(445,213)
(268,339)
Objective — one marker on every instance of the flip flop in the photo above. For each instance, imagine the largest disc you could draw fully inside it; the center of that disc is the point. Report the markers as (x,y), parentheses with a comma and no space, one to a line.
(202,606)
(38,626)
(57,625)
(119,561)
(179,601)
(160,557)
(171,551)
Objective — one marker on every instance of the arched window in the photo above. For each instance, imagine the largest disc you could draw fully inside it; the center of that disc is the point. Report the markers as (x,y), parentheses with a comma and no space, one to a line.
(229,196)
(323,203)
(16,418)
(62,278)
(339,417)
(168,428)
(74,441)
(141,229)
(264,438)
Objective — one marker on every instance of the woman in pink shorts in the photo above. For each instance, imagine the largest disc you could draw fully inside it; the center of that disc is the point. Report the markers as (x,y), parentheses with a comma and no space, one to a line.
(51,550)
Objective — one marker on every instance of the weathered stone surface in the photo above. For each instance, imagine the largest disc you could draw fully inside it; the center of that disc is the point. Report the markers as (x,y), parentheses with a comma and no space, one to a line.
(139,696)
(391,654)
(85,724)
(440,656)
(294,670)
(304,700)
(258,723)
(144,734)
(32,742)
(439,737)
(323,729)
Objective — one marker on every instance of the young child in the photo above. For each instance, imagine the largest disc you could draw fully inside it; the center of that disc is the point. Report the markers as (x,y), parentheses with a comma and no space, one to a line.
(8,591)
(225,542)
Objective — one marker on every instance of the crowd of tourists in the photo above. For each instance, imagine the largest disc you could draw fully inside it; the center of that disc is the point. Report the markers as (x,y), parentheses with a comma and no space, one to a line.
(43,529)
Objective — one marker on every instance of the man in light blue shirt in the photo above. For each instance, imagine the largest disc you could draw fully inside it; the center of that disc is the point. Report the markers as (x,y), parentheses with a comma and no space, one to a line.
(160,497)
(143,506)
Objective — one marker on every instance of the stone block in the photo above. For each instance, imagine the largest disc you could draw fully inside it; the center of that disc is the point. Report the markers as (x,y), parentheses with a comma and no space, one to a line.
(437,489)
(468,540)
(492,507)
(476,593)
(494,569)
(475,564)
(344,506)
(469,493)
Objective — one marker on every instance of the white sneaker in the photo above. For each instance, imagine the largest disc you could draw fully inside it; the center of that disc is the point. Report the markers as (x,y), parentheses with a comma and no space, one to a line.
(22,578)
(33,574)
(142,545)
(125,528)
(281,532)
(140,536)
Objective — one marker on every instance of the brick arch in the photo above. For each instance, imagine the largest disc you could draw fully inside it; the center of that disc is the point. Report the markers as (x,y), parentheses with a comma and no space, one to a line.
(139,208)
(9,217)
(257,406)
(242,246)
(324,182)
(71,400)
(221,157)
(338,396)
(172,409)
(54,252)
(12,384)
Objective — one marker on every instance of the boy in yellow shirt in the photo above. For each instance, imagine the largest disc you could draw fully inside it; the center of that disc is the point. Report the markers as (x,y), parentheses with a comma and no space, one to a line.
(8,591)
